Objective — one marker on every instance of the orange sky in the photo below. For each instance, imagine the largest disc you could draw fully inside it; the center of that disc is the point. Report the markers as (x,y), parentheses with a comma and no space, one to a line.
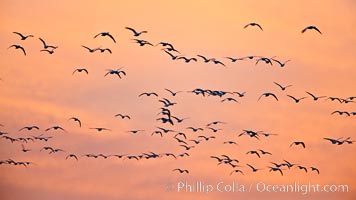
(39,89)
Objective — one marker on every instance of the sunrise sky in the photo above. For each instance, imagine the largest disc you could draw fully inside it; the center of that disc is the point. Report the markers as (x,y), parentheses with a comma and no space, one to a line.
(39,89)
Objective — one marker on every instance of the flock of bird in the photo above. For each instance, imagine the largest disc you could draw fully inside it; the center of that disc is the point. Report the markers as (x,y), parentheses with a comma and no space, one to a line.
(184,139)
(168,49)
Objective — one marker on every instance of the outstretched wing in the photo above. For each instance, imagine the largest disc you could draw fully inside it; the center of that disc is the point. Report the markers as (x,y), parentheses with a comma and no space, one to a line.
(87,47)
(97,35)
(259,27)
(112,37)
(315,28)
(274,96)
(43,42)
(22,36)
(310,94)
(295,99)
(279,85)
(304,29)
(131,29)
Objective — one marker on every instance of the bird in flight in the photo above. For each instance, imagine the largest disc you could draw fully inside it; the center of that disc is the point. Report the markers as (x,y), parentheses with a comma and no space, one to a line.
(55,128)
(282,87)
(29,128)
(295,99)
(117,155)
(172,93)
(341,112)
(311,28)
(230,142)
(276,169)
(205,59)
(186,147)
(230,99)
(215,123)
(182,134)
(56,151)
(167,102)
(288,164)
(165,130)
(264,59)
(51,150)
(264,152)
(254,152)
(72,156)
(206,138)
(253,168)
(45,46)
(195,129)
(136,34)
(253,24)
(165,111)
(157,132)
(298,143)
(142,42)
(47,148)
(187,60)
(267,94)
(105,34)
(303,168)
(250,57)
(196,141)
(40,137)
(267,134)
(9,138)
(218,62)
(117,72)
(24,149)
(164,44)
(233,59)
(131,157)
(80,70)
(171,48)
(214,129)
(23,37)
(76,120)
(135,131)
(334,141)
(180,141)
(102,50)
(315,98)
(89,49)
(122,116)
(181,170)
(148,94)
(346,101)
(315,169)
(101,129)
(281,64)
(168,154)
(165,120)
(237,171)
(249,133)
(48,51)
(334,98)
(16,46)
(171,55)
